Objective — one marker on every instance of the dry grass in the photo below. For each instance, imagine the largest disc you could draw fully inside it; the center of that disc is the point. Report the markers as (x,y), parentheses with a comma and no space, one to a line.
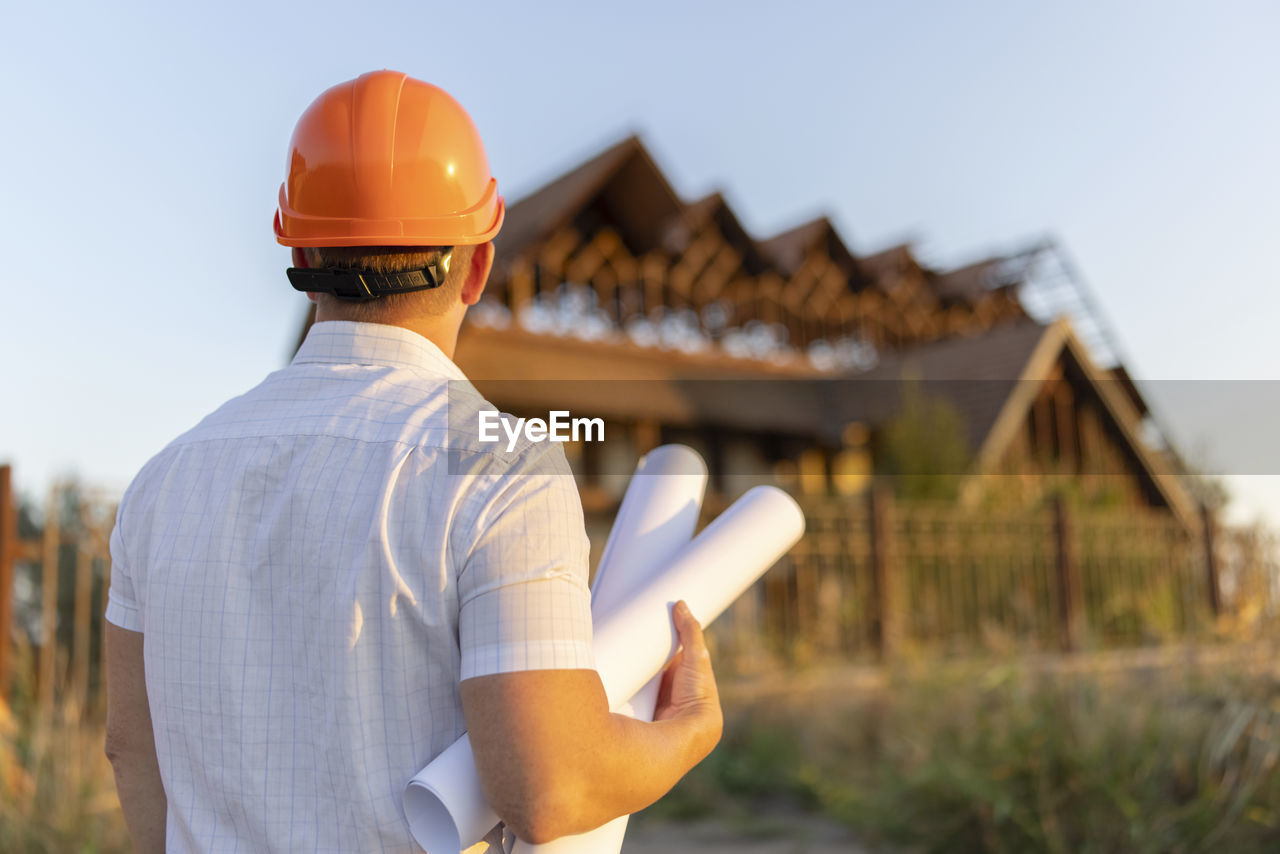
(1148,751)
(1153,753)
(57,793)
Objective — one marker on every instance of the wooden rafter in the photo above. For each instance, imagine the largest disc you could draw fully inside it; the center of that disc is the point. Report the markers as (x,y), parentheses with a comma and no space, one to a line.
(557,250)
(726,262)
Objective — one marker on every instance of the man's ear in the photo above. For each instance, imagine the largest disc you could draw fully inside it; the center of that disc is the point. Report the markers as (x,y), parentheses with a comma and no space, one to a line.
(300,260)
(477,273)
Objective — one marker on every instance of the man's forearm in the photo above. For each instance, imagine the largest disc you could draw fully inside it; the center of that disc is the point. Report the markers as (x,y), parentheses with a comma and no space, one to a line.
(641,764)
(629,766)
(142,797)
(550,780)
(554,761)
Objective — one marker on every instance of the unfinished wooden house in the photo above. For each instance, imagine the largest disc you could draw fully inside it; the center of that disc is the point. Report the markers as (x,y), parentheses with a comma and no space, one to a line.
(786,358)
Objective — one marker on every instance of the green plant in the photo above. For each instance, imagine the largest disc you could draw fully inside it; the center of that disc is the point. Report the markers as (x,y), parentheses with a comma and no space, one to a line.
(923,445)
(1012,758)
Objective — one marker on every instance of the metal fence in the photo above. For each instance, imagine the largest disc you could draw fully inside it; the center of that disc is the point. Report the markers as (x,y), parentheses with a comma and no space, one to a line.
(874,578)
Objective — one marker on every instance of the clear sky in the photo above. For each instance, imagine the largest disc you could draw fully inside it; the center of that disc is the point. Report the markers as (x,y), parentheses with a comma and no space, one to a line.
(146,143)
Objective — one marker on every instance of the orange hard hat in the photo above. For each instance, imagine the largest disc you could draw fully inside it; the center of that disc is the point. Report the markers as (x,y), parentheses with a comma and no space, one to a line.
(387,160)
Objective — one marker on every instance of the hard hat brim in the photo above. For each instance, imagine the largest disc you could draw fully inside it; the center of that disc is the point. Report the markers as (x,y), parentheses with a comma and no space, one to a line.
(478,224)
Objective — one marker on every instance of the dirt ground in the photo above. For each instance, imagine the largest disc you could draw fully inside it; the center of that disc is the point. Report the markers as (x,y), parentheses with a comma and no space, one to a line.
(801,836)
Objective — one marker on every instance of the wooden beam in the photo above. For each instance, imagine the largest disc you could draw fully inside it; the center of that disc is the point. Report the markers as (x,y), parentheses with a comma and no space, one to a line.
(583,263)
(769,297)
(848,311)
(703,248)
(519,285)
(626,266)
(833,282)
(1064,409)
(681,285)
(802,281)
(608,242)
(653,271)
(1043,426)
(694,260)
(605,284)
(557,249)
(717,274)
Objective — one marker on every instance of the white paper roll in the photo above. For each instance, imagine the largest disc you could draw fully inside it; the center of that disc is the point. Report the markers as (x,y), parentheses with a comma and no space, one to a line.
(445,804)
(632,645)
(638,638)
(656,519)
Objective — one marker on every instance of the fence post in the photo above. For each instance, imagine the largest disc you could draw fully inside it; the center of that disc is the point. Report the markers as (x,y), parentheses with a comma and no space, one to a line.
(82,620)
(49,602)
(100,607)
(8,552)
(882,617)
(1070,610)
(1211,559)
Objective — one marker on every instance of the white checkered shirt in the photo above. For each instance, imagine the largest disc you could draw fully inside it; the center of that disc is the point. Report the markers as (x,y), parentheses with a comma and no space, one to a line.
(314,568)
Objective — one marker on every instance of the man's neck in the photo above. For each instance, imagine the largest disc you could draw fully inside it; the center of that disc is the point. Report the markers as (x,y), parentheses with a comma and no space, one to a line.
(441,330)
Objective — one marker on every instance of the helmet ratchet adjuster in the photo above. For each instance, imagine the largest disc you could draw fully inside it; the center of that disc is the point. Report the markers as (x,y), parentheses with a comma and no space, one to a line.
(361,283)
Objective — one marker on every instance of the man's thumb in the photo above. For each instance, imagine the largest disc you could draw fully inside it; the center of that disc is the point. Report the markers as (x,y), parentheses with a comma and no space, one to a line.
(687,627)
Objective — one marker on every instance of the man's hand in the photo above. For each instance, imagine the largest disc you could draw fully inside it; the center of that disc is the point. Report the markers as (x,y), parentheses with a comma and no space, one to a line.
(688,687)
(552,759)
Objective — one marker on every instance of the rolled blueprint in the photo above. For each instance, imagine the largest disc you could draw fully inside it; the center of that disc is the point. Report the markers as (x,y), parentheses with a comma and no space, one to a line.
(631,645)
(722,562)
(656,519)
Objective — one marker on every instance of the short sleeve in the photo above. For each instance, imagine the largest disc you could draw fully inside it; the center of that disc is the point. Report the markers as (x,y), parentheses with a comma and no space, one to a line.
(522,589)
(122,602)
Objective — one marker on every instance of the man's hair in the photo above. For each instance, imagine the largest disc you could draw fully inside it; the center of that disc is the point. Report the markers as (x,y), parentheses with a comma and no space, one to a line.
(393,259)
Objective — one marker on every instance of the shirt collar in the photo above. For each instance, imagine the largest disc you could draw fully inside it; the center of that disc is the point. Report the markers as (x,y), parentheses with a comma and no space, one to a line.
(345,342)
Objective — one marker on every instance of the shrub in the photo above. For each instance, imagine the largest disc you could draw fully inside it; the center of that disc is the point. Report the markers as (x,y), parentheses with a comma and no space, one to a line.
(1006,758)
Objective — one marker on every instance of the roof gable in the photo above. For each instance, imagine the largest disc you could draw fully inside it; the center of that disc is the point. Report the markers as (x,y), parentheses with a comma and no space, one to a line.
(540,214)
